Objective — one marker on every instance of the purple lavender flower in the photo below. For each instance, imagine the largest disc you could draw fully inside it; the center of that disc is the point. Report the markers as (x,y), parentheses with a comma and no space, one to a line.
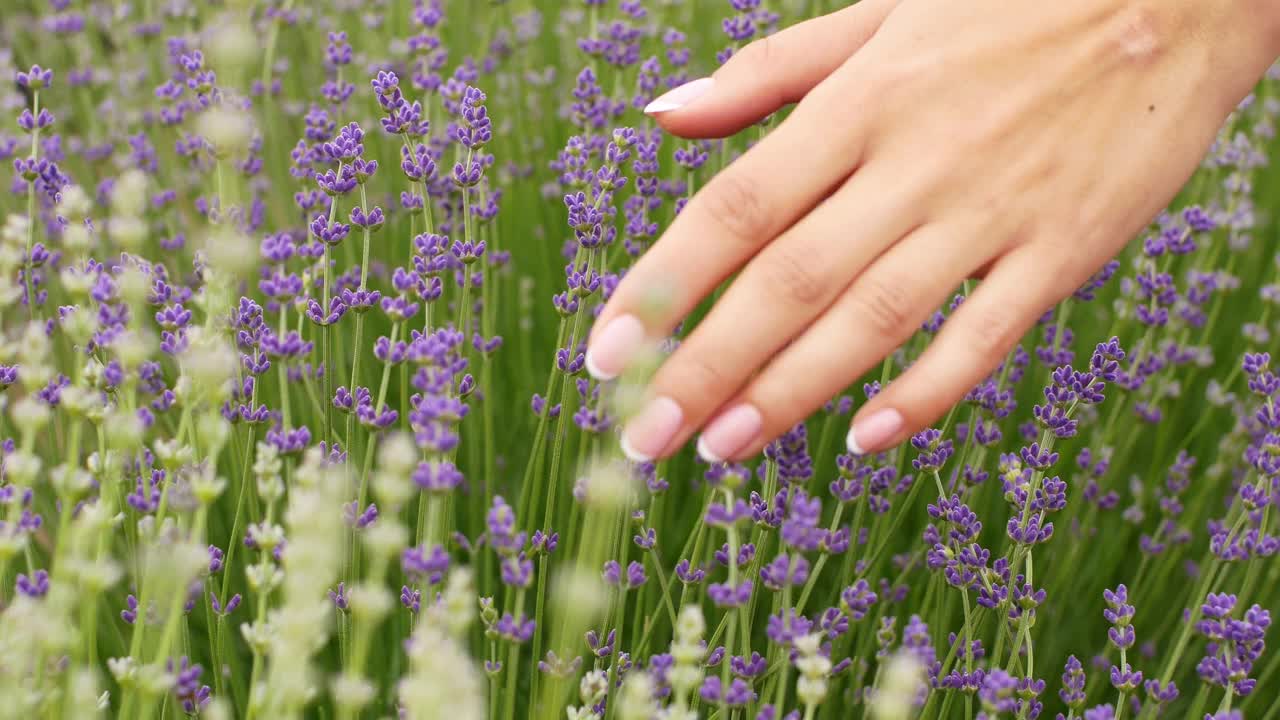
(689,575)
(801,529)
(601,647)
(338,596)
(358,519)
(543,542)
(224,610)
(1120,614)
(517,630)
(437,476)
(1073,682)
(411,598)
(718,515)
(746,553)
(632,578)
(934,450)
(1160,694)
(857,599)
(501,533)
(646,539)
(34,586)
(130,613)
(998,693)
(727,595)
(186,685)
(738,694)
(748,668)
(785,570)
(1125,678)
(35,79)
(790,453)
(787,625)
(1234,644)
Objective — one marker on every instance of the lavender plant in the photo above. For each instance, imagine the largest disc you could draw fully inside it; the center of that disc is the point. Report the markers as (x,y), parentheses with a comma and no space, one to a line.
(295,420)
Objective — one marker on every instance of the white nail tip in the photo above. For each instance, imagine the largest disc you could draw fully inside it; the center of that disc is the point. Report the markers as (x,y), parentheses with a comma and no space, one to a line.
(660,106)
(705,453)
(852,443)
(679,97)
(595,371)
(632,454)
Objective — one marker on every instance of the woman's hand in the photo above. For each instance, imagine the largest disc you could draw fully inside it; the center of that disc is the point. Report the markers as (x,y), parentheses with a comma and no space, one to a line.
(1024,142)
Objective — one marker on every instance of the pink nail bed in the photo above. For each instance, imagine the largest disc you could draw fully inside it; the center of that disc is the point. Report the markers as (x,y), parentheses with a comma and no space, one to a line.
(650,431)
(611,351)
(872,432)
(729,433)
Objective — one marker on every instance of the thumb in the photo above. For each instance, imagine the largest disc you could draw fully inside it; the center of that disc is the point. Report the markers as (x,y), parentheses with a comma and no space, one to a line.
(771,72)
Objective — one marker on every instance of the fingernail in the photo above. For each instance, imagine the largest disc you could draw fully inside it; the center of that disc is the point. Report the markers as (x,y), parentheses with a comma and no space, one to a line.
(730,432)
(651,430)
(679,97)
(873,431)
(614,346)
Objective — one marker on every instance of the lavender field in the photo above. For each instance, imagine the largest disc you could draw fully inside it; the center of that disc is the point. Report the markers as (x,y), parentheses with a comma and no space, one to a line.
(295,419)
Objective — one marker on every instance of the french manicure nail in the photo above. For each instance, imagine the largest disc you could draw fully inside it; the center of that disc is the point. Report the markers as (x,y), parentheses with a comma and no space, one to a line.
(871,432)
(730,432)
(651,430)
(614,347)
(679,97)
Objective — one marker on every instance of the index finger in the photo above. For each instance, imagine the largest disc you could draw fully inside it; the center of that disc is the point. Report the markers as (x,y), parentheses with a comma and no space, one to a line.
(739,211)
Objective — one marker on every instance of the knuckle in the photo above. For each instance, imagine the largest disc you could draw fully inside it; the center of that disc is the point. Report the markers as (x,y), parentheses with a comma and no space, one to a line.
(698,379)
(899,85)
(736,204)
(976,133)
(758,54)
(1066,268)
(884,305)
(1002,211)
(888,85)
(795,277)
(992,332)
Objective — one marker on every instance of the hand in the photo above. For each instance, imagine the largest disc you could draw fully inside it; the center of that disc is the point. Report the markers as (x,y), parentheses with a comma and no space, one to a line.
(1022,142)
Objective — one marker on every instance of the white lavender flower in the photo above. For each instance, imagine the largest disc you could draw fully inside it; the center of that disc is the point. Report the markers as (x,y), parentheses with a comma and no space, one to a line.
(228,130)
(311,563)
(443,682)
(85,696)
(636,700)
(456,608)
(687,653)
(900,684)
(592,689)
(811,686)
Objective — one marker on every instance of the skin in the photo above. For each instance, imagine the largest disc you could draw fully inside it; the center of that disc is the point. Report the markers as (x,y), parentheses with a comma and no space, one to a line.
(933,141)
